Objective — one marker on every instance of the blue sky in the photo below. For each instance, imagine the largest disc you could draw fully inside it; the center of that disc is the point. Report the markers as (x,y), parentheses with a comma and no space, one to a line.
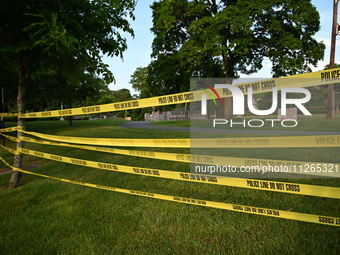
(139,47)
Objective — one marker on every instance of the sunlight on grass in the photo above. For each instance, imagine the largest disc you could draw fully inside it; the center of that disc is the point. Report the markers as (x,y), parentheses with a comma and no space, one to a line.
(50,217)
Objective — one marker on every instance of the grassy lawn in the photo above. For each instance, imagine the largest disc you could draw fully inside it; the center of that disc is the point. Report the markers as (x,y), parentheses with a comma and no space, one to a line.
(50,217)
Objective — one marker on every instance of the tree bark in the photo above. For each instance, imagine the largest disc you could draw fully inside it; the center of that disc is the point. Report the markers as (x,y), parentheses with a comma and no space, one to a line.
(228,107)
(16,178)
(228,102)
(70,121)
(330,96)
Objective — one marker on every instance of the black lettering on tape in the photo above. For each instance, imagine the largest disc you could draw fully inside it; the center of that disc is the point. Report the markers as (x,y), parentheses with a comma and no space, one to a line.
(293,187)
(46,114)
(141,193)
(79,162)
(326,140)
(331,75)
(38,154)
(107,166)
(327,220)
(91,109)
(251,183)
(25,151)
(65,112)
(105,187)
(238,207)
(146,171)
(58,158)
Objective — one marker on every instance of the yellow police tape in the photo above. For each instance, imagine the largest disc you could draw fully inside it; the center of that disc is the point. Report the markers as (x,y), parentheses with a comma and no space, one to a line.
(8,114)
(312,218)
(10,129)
(284,187)
(294,167)
(249,142)
(300,80)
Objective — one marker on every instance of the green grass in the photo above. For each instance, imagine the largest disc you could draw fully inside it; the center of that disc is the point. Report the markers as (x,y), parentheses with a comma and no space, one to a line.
(50,217)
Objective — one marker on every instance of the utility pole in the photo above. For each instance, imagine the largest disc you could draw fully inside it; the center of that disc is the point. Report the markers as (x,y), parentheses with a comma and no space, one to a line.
(335,31)
(61,117)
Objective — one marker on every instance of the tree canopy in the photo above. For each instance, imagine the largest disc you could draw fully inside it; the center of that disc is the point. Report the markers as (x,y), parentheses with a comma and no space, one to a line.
(237,34)
(226,38)
(64,35)
(64,39)
(61,39)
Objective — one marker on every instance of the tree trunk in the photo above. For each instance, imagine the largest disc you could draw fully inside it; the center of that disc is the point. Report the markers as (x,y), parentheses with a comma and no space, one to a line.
(16,178)
(228,102)
(228,107)
(70,121)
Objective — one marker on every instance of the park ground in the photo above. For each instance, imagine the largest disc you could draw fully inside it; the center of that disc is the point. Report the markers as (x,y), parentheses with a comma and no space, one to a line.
(47,216)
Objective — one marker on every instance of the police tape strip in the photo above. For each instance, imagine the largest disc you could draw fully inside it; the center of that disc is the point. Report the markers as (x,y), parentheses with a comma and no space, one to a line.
(15,152)
(311,218)
(4,114)
(250,142)
(10,129)
(294,167)
(300,80)
(174,143)
(292,188)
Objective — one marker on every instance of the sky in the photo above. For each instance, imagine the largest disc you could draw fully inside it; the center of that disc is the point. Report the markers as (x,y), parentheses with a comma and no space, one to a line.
(139,47)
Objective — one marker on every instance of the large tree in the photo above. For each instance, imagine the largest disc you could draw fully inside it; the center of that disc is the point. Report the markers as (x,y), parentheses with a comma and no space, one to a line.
(139,82)
(239,34)
(64,37)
